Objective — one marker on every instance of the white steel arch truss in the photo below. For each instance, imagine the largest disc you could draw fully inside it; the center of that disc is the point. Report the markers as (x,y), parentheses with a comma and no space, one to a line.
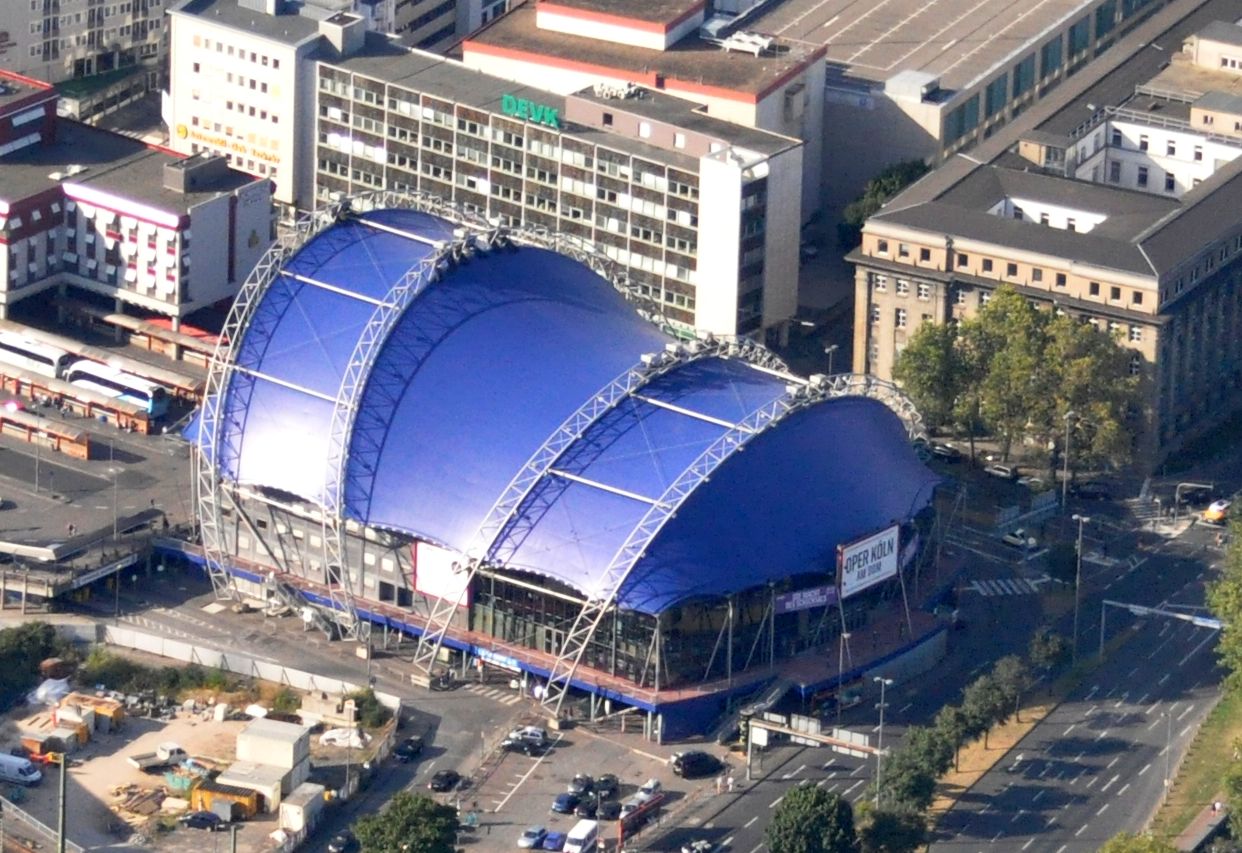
(490,535)
(798,395)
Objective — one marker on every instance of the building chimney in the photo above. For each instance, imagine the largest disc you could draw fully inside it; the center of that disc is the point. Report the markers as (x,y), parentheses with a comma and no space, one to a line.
(345,32)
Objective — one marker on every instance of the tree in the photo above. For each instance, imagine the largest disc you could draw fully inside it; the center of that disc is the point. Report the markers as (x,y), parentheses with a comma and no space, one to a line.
(908,782)
(1012,678)
(1047,650)
(1127,842)
(878,190)
(1062,561)
(984,704)
(889,831)
(812,820)
(1016,388)
(929,748)
(1091,377)
(931,371)
(1233,788)
(22,649)
(1224,598)
(410,824)
(952,723)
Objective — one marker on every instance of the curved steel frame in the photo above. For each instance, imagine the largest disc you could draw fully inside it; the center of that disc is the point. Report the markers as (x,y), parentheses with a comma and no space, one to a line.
(210,452)
(505,511)
(798,396)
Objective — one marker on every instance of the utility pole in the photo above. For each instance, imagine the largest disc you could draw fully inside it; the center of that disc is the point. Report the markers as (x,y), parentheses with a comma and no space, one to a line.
(879,752)
(1069,417)
(845,636)
(60,810)
(1081,519)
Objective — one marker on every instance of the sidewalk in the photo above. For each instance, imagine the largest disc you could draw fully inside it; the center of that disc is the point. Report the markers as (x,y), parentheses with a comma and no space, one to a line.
(1202,829)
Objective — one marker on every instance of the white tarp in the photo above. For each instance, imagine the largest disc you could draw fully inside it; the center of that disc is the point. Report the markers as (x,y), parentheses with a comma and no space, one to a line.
(50,692)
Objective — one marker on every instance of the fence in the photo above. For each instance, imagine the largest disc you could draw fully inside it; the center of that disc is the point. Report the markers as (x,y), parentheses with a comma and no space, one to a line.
(37,834)
(237,662)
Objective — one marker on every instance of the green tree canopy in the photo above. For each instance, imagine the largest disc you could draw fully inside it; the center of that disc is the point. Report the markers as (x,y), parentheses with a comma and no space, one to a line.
(888,831)
(1013,679)
(411,824)
(1127,842)
(952,723)
(812,820)
(22,649)
(1047,650)
(1017,371)
(1224,598)
(983,703)
(878,190)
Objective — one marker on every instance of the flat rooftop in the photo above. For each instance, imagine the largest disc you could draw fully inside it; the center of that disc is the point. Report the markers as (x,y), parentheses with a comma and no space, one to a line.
(289,27)
(651,11)
(113,163)
(15,89)
(274,730)
(955,40)
(690,60)
(383,59)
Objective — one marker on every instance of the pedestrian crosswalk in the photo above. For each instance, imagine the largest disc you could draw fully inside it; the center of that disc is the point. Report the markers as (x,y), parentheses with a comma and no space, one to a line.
(1004,586)
(502,695)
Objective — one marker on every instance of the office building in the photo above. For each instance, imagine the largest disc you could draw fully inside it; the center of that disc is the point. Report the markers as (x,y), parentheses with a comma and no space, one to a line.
(1123,215)
(702,214)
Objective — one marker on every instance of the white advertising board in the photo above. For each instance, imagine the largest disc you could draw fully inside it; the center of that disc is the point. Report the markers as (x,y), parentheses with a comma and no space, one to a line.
(869,561)
(437,573)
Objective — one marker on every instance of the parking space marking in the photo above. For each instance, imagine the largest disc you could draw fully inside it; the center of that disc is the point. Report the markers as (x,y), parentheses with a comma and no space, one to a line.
(649,756)
(532,769)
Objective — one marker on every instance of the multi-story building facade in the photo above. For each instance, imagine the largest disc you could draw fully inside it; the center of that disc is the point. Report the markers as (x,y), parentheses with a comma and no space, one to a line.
(1154,257)
(702,213)
(58,40)
(757,81)
(137,225)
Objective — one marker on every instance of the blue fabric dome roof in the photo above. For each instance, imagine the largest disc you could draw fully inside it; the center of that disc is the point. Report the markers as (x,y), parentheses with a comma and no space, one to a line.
(482,368)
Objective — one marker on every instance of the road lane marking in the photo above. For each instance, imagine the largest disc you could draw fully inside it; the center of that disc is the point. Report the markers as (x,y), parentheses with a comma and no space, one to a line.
(1018,815)
(1070,729)
(1154,723)
(727,841)
(1152,709)
(1142,699)
(1163,679)
(1028,843)
(1081,830)
(1093,708)
(1146,767)
(1123,789)
(776,802)
(1102,735)
(1122,700)
(1101,811)
(821,783)
(1109,783)
(1094,779)
(757,848)
(1111,763)
(846,792)
(1185,731)
(1189,708)
(749,822)
(1211,636)
(532,769)
(905,707)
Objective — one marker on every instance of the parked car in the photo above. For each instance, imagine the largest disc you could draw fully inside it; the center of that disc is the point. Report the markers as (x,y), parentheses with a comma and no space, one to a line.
(1217,512)
(1019,539)
(581,784)
(566,803)
(343,842)
(701,845)
(444,780)
(649,789)
(532,838)
(554,841)
(606,785)
(408,749)
(209,821)
(1092,491)
(588,807)
(1004,472)
(946,452)
(525,747)
(532,734)
(1035,484)
(608,810)
(689,765)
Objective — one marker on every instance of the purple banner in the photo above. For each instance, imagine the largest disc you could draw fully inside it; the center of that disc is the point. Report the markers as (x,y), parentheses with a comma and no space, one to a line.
(805,599)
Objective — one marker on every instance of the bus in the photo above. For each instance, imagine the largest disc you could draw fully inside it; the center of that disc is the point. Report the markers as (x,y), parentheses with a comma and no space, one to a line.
(112,382)
(33,356)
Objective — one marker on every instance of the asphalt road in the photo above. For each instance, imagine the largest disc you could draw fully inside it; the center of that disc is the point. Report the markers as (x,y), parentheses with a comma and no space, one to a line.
(1097,765)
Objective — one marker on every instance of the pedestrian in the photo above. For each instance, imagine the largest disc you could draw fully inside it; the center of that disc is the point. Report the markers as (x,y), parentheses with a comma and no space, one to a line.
(719,785)
(730,784)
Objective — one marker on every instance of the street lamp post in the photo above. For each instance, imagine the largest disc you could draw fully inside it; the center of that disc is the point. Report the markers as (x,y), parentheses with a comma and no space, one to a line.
(1069,418)
(879,751)
(112,469)
(830,351)
(1168,751)
(845,636)
(1081,519)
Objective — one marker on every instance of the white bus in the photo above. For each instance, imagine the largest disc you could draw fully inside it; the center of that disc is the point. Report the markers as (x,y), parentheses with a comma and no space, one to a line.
(32,356)
(113,382)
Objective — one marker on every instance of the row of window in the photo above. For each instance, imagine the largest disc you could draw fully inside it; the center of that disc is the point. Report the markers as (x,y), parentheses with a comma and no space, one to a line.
(1117,140)
(901,317)
(238,53)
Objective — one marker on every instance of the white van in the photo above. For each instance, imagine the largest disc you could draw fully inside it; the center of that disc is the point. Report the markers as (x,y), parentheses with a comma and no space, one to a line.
(583,837)
(20,771)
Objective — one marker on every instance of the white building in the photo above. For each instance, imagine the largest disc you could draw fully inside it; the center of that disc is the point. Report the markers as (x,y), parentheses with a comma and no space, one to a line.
(86,209)
(240,84)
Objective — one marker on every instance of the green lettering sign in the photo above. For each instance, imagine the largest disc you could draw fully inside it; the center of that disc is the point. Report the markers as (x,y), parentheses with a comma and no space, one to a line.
(515,107)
